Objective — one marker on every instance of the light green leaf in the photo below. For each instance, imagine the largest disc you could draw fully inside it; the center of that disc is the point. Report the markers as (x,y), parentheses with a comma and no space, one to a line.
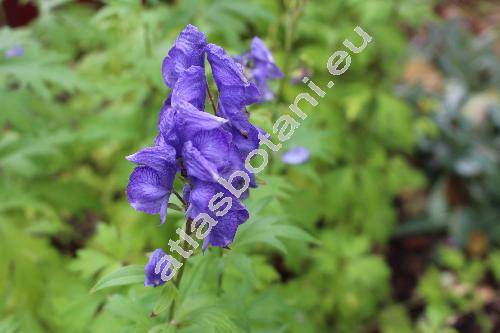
(168,294)
(126,275)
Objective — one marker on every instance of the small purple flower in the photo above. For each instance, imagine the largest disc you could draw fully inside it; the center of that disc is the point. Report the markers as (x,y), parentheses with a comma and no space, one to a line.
(16,51)
(222,234)
(154,273)
(235,93)
(264,68)
(179,123)
(235,90)
(150,183)
(207,154)
(297,155)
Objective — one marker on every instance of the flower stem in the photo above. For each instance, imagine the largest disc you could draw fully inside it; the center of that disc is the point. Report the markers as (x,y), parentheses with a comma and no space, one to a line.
(293,12)
(210,97)
(184,203)
(219,277)
(180,273)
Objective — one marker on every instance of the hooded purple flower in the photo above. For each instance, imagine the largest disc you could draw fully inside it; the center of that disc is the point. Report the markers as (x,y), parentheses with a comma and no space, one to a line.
(235,90)
(235,93)
(154,273)
(188,50)
(222,234)
(151,183)
(207,154)
(179,123)
(297,155)
(260,63)
(264,68)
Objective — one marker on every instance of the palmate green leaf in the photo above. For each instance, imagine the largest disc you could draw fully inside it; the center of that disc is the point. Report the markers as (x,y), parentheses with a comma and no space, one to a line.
(126,275)
(203,312)
(267,230)
(37,72)
(90,261)
(130,310)
(18,155)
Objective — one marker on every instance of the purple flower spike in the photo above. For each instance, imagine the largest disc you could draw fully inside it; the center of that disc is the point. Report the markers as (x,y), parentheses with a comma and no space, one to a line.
(188,50)
(154,275)
(264,67)
(297,155)
(16,51)
(204,147)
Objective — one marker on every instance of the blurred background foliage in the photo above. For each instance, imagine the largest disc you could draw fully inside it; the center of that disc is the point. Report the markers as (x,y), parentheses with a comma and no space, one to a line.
(391,227)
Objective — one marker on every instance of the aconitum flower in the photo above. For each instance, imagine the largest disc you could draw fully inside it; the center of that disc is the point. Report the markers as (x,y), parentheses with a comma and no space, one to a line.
(202,147)
(264,67)
(261,65)
(154,273)
(297,155)
(223,233)
(188,50)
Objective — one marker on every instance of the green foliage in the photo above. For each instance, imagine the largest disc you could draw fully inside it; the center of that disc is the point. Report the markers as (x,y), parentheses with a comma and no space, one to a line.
(311,258)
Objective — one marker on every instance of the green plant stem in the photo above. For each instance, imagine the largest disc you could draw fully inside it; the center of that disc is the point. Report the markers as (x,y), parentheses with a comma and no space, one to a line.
(180,273)
(184,203)
(210,97)
(219,277)
(290,20)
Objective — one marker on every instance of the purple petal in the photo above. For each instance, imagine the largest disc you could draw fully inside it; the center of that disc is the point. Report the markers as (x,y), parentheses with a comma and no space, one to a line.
(234,88)
(237,162)
(159,158)
(264,68)
(245,143)
(197,165)
(222,234)
(190,120)
(261,54)
(191,87)
(188,50)
(297,155)
(153,275)
(200,196)
(167,128)
(214,145)
(148,190)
